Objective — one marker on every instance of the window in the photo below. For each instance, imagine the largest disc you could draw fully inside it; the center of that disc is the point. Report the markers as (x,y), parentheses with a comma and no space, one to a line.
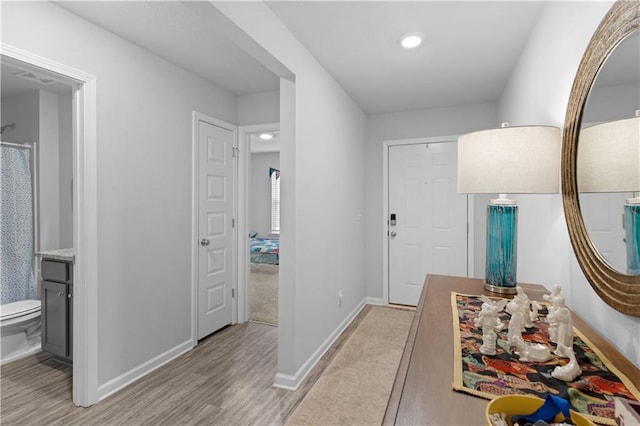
(275,202)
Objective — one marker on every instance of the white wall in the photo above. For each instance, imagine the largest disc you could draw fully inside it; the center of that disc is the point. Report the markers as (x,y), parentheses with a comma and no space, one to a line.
(260,192)
(322,250)
(22,109)
(602,211)
(44,117)
(144,178)
(537,93)
(259,108)
(49,171)
(287,289)
(65,148)
(614,102)
(406,125)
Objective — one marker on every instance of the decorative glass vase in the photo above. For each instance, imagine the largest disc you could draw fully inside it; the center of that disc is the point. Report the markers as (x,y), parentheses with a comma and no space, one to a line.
(502,245)
(632,237)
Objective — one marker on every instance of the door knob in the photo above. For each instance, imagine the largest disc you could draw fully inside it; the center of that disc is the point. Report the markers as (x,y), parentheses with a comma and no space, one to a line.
(204,242)
(393,233)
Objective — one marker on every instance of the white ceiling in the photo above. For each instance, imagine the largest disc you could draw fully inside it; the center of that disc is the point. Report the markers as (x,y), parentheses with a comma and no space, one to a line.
(258,145)
(16,80)
(179,34)
(469,51)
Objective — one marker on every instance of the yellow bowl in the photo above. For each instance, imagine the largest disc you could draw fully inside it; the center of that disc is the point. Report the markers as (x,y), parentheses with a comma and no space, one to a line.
(523,405)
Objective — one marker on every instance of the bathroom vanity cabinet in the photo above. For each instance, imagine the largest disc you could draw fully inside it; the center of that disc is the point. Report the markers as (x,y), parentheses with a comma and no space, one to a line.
(57,304)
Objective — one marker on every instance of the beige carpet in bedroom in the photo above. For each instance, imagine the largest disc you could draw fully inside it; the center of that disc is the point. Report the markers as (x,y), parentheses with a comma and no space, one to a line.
(355,387)
(263,293)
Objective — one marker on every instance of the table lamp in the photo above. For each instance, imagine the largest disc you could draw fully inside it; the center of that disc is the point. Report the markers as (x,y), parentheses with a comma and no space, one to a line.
(516,160)
(609,161)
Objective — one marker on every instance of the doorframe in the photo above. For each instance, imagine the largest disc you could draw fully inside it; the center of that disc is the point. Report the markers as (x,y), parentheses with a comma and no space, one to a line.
(385,207)
(244,177)
(85,221)
(196,117)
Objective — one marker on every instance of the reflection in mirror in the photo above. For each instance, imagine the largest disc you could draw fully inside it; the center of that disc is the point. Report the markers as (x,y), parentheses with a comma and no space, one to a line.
(618,289)
(608,161)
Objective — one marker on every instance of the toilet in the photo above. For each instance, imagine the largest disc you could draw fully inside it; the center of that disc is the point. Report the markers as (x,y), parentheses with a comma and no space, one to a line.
(19,330)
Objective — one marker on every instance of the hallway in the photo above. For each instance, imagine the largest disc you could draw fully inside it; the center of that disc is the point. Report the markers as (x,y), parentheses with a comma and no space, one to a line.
(226,379)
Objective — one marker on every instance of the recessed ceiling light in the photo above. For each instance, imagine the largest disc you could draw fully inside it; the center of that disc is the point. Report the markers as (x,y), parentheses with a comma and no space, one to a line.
(411,41)
(266,136)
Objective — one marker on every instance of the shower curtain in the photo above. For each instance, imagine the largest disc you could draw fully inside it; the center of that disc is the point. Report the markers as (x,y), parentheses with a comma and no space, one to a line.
(17,280)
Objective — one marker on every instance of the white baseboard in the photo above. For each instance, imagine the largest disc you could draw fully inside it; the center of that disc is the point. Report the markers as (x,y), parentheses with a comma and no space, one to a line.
(377,301)
(287,381)
(142,370)
(291,382)
(14,357)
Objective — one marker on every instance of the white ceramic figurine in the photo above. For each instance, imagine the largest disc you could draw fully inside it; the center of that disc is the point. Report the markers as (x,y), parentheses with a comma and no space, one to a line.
(569,371)
(530,352)
(525,304)
(521,317)
(490,323)
(529,309)
(517,321)
(560,317)
(556,299)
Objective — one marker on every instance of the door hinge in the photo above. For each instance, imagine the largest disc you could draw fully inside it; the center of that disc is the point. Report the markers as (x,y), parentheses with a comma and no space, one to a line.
(233,223)
(235,150)
(233,293)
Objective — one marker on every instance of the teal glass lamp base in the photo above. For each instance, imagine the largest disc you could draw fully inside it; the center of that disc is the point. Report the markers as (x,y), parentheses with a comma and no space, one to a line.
(502,226)
(632,237)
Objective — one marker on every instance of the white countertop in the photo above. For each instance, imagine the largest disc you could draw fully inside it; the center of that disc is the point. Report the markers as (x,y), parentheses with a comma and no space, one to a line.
(67,255)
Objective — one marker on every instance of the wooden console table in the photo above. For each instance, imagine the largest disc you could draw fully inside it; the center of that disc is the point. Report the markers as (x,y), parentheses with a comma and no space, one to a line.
(422,393)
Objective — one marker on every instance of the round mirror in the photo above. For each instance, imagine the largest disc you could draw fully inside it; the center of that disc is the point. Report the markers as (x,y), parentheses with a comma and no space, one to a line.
(608,163)
(607,276)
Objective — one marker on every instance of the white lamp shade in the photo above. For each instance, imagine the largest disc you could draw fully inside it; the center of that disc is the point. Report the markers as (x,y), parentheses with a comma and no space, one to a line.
(609,157)
(510,160)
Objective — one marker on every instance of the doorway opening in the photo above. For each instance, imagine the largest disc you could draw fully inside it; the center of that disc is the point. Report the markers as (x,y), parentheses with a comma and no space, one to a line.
(67,155)
(259,244)
(264,226)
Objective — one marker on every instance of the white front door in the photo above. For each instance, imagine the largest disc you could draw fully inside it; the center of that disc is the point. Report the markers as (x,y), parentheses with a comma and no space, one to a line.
(215,230)
(603,217)
(430,230)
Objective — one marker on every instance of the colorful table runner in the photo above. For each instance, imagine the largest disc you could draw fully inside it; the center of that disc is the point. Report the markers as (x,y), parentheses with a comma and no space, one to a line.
(590,394)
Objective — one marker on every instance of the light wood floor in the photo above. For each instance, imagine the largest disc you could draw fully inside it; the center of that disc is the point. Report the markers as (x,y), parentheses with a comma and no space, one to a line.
(227,379)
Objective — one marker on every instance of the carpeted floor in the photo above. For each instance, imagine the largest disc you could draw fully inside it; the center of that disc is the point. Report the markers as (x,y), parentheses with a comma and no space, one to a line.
(355,387)
(263,293)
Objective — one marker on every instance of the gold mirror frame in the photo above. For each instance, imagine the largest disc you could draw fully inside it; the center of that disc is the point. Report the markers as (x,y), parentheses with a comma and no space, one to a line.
(620,291)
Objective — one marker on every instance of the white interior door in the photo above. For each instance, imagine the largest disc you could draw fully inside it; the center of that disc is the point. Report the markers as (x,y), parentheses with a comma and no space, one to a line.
(430,230)
(216,251)
(603,217)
